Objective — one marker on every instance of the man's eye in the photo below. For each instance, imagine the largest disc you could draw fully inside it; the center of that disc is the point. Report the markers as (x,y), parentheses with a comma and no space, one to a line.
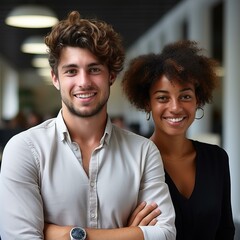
(94,70)
(71,71)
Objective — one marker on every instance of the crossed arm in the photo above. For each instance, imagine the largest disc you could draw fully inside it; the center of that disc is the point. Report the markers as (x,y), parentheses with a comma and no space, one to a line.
(143,215)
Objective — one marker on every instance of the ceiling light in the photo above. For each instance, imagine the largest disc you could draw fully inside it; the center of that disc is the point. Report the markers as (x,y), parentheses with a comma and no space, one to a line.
(40,61)
(220,71)
(31,16)
(44,72)
(34,45)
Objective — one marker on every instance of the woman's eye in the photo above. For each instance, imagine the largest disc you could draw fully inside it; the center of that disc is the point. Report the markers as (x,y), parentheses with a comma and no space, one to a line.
(186,97)
(162,98)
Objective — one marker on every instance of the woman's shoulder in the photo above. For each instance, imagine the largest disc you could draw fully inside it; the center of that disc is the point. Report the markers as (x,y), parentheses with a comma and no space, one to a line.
(207,146)
(210,151)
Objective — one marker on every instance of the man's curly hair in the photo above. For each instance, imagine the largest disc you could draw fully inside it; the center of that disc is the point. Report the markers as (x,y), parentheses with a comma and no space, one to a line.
(95,35)
(181,61)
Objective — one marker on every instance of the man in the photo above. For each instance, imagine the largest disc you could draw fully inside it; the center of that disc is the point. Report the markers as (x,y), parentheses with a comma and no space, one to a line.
(78,176)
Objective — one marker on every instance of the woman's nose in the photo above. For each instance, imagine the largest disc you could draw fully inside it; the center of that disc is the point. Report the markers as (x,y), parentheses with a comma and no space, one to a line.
(175,105)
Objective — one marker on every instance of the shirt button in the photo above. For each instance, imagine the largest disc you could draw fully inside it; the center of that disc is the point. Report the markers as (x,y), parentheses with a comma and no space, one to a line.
(92,184)
(92,215)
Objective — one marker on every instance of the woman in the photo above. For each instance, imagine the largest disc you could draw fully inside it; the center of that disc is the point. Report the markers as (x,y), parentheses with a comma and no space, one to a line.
(172,86)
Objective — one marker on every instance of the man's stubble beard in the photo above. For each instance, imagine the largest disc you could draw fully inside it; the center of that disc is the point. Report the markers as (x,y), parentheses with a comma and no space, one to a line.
(85,113)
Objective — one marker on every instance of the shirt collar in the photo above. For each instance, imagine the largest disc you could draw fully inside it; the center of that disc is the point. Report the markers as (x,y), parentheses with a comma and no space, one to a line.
(108,131)
(62,128)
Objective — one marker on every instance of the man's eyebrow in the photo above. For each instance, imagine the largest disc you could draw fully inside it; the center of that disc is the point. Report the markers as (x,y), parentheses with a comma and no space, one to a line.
(94,64)
(69,66)
(76,66)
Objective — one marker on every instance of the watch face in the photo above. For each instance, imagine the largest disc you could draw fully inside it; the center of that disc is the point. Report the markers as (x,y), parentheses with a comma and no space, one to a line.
(78,233)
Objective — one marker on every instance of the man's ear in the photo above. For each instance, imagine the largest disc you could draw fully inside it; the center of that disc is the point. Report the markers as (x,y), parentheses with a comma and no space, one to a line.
(55,80)
(112,78)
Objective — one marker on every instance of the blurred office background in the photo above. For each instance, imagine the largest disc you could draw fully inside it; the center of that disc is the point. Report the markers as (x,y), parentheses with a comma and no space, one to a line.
(146,26)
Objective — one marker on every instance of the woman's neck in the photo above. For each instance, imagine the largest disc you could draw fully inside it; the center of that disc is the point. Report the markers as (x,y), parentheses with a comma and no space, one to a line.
(172,147)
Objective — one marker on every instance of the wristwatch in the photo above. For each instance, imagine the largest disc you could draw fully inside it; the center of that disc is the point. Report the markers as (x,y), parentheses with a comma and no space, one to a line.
(78,233)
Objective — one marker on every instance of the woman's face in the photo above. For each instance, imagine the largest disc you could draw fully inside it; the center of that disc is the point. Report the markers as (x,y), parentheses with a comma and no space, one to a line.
(173,106)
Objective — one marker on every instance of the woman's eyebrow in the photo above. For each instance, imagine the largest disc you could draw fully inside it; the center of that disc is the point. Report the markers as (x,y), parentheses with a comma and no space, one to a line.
(187,89)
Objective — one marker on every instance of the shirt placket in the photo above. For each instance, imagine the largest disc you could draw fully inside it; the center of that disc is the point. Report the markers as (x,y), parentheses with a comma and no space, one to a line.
(93,198)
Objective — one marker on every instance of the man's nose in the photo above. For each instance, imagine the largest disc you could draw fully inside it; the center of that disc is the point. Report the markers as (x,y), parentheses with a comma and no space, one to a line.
(83,79)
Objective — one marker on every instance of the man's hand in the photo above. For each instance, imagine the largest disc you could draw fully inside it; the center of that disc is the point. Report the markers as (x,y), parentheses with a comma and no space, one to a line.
(144,215)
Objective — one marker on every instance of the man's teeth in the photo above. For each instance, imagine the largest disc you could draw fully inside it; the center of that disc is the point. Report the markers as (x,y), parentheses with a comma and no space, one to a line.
(85,95)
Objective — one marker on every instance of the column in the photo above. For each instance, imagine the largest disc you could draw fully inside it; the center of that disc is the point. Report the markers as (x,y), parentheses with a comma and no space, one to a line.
(231,125)
(199,30)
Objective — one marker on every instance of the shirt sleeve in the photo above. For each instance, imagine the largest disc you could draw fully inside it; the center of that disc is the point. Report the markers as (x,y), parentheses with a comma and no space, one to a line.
(154,189)
(21,212)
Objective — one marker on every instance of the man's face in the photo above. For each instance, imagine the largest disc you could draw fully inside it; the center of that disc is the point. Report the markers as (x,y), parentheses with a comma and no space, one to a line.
(83,81)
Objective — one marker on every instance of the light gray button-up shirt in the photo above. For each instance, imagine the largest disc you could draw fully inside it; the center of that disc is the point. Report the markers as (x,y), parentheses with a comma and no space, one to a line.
(42,179)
